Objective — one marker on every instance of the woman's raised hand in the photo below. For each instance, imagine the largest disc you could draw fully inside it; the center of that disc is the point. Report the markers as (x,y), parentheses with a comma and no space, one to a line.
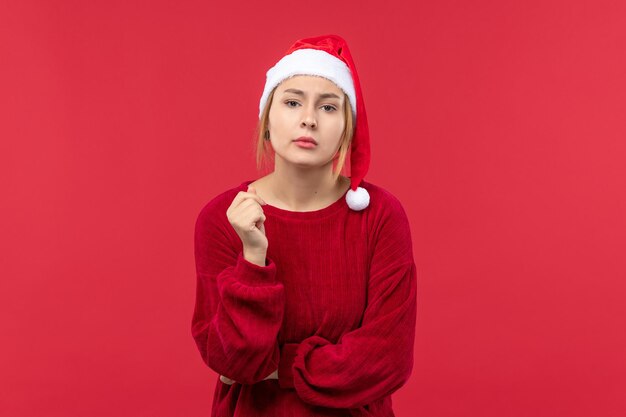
(246,216)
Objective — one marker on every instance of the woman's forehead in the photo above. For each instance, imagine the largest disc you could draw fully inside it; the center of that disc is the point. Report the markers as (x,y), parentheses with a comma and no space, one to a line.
(305,82)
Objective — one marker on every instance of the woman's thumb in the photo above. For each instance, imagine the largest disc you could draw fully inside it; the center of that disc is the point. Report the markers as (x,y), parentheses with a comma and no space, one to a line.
(252,190)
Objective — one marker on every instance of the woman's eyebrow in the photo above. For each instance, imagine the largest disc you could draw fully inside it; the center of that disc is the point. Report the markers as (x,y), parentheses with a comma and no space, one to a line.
(302,93)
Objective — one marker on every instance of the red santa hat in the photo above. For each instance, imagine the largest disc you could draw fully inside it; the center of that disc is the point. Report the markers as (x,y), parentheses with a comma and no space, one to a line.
(328,56)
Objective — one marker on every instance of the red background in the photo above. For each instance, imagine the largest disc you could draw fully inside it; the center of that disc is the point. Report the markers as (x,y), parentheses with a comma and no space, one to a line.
(500,125)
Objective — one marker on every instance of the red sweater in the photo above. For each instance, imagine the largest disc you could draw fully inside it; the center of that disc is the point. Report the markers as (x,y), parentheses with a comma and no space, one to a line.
(333,309)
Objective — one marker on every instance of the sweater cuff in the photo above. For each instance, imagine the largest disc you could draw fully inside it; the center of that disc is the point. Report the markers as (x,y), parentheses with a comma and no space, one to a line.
(285,366)
(252,274)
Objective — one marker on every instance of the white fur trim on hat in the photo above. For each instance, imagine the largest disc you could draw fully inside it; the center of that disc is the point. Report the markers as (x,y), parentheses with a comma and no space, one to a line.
(310,62)
(359,199)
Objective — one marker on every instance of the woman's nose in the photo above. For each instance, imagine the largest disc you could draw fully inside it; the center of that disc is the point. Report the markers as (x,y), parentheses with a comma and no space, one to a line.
(309,120)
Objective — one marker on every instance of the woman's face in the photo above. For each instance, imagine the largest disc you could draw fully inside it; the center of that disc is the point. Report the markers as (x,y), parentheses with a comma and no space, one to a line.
(306,105)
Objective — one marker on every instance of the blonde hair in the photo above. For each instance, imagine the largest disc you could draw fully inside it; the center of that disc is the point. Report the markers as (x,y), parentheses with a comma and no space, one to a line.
(264,151)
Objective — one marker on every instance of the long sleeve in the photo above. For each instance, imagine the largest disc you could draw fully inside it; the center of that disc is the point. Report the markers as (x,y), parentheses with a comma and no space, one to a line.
(239,305)
(376,359)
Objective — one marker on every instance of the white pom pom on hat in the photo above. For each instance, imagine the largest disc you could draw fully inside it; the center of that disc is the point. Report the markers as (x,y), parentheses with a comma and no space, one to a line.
(328,56)
(359,199)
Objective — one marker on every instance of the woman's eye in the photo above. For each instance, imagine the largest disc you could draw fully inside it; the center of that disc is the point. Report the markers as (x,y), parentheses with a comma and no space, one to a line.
(327,107)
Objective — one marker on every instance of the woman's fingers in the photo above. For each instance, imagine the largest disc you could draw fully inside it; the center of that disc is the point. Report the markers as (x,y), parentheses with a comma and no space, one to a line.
(273,375)
(242,195)
(227,380)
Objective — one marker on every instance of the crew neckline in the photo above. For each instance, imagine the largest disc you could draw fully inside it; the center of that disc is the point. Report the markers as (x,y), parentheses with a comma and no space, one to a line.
(341,203)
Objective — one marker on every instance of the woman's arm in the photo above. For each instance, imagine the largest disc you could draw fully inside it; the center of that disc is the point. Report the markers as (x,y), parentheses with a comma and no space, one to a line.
(376,359)
(239,305)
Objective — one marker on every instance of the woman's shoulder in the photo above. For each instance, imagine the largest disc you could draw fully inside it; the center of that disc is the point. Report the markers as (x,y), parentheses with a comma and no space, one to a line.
(382,200)
(223,197)
(389,220)
(214,209)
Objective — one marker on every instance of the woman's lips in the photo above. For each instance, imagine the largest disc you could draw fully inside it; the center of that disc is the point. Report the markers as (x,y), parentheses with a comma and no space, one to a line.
(307,139)
(305,144)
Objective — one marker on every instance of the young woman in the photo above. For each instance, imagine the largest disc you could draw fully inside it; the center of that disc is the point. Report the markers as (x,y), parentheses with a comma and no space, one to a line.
(306,282)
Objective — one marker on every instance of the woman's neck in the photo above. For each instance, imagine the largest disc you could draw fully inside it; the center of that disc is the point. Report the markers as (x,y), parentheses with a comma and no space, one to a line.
(303,193)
